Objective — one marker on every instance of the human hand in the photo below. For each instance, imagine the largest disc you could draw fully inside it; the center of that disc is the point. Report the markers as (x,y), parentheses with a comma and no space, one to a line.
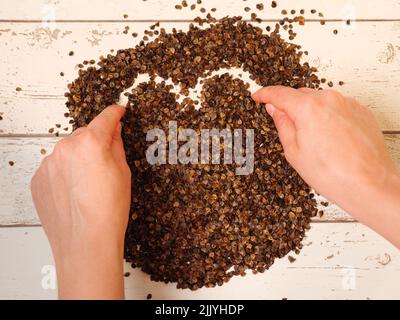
(335,144)
(82,195)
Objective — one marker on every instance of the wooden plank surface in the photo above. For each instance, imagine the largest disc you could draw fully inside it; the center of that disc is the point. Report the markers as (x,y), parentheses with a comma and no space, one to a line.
(16,206)
(35,38)
(33,57)
(165,9)
(338,261)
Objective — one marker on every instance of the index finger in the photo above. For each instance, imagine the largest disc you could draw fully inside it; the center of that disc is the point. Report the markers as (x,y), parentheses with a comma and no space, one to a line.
(283,98)
(105,124)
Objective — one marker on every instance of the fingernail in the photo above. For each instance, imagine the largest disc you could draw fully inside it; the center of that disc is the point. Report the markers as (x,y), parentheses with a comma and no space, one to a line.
(270,109)
(120,107)
(254,96)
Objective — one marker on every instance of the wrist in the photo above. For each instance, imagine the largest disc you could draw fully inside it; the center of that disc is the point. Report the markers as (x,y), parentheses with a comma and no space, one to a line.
(380,206)
(383,187)
(92,270)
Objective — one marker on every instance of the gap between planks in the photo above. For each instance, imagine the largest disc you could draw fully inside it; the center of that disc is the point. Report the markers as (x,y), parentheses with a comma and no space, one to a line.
(26,225)
(62,135)
(178,20)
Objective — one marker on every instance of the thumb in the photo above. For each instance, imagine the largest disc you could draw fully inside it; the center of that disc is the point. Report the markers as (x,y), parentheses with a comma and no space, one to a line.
(117,145)
(105,124)
(286,129)
(286,99)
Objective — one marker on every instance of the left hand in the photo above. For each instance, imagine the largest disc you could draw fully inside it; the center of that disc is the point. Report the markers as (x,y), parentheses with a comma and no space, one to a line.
(82,195)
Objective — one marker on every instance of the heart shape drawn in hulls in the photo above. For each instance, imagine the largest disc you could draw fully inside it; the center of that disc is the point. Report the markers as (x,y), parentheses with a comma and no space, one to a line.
(198,218)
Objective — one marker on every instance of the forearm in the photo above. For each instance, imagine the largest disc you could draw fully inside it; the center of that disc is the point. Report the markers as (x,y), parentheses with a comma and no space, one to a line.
(94,272)
(379,207)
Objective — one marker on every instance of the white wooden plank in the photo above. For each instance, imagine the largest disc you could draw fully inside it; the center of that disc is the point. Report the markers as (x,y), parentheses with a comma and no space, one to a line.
(365,56)
(338,261)
(16,205)
(165,9)
(15,201)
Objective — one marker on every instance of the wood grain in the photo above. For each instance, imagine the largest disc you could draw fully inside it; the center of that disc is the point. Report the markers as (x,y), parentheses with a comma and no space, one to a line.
(33,57)
(338,261)
(16,206)
(165,9)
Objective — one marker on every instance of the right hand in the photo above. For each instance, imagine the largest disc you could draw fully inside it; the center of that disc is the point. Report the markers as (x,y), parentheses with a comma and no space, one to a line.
(333,142)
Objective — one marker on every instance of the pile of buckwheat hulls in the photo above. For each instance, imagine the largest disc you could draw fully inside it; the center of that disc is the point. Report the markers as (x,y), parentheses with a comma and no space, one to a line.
(199,225)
